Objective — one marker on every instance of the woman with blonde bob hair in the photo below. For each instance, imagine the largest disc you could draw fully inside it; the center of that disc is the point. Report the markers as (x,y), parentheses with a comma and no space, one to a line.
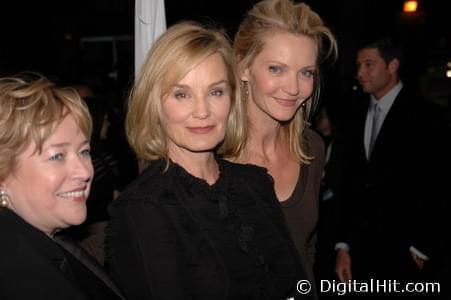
(193,225)
(45,178)
(174,56)
(279,48)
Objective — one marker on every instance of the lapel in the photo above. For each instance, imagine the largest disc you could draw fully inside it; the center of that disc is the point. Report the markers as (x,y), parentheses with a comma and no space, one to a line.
(394,119)
(88,262)
(359,125)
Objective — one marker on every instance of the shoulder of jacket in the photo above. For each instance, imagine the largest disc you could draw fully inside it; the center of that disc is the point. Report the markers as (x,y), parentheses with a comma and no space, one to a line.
(146,187)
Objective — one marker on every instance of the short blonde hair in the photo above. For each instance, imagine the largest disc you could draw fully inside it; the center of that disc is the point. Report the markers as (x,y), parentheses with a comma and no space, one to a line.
(30,113)
(179,50)
(272,16)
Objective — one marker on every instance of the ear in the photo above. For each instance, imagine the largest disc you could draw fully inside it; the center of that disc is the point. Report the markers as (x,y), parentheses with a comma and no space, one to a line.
(393,66)
(244,75)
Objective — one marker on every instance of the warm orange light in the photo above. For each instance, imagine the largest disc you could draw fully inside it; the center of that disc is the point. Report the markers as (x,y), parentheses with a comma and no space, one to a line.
(410,6)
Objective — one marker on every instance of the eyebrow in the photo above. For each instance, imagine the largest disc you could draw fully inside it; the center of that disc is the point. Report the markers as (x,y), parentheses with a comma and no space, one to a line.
(65,144)
(287,65)
(309,67)
(210,85)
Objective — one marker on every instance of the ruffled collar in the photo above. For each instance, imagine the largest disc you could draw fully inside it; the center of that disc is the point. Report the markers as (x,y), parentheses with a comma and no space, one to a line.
(224,193)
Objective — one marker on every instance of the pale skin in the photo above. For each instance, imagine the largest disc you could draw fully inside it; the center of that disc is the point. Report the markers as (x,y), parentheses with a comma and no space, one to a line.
(280,79)
(377,78)
(194,115)
(49,189)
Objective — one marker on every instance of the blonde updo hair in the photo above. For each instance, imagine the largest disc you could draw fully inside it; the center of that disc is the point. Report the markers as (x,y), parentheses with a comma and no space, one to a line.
(270,17)
(178,51)
(30,113)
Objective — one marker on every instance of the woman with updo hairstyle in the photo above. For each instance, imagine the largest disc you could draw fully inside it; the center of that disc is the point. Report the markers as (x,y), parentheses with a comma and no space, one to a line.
(45,178)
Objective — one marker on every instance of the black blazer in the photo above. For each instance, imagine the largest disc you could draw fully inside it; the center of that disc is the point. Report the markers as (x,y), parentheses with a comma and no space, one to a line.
(33,266)
(171,236)
(396,197)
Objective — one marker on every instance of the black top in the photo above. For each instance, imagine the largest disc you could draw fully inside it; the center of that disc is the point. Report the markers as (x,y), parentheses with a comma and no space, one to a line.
(173,236)
(33,266)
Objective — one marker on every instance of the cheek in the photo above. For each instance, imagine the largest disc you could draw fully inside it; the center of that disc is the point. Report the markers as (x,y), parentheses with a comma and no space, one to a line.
(40,192)
(90,167)
(266,84)
(307,88)
(45,180)
(223,110)
(173,117)
(50,184)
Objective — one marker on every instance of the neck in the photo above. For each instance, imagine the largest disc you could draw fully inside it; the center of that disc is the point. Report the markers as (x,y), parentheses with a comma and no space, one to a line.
(267,136)
(384,91)
(202,165)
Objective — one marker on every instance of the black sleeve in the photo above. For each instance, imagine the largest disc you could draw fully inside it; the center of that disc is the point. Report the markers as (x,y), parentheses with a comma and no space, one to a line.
(141,252)
(28,274)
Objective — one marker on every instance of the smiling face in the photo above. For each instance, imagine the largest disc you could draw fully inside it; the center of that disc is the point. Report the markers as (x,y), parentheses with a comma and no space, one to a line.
(49,189)
(281,77)
(195,112)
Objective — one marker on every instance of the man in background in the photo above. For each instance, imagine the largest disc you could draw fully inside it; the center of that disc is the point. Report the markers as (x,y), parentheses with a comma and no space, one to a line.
(395,170)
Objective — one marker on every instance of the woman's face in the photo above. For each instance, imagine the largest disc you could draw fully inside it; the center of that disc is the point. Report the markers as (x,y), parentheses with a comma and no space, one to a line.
(49,189)
(195,112)
(281,77)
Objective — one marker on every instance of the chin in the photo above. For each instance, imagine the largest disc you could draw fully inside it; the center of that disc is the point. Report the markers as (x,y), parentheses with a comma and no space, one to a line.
(283,117)
(77,217)
(203,146)
(202,149)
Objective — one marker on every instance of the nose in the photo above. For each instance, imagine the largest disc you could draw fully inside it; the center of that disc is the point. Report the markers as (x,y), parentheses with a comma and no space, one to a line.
(201,108)
(82,168)
(291,86)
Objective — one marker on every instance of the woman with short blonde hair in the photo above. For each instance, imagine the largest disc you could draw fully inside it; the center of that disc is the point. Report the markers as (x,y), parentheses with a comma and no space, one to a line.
(45,179)
(30,112)
(175,54)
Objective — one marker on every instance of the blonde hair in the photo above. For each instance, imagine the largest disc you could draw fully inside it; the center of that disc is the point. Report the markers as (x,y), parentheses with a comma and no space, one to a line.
(272,16)
(179,50)
(30,113)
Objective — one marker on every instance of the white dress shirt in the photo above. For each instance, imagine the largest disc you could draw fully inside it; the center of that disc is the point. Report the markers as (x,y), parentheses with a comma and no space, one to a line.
(383,104)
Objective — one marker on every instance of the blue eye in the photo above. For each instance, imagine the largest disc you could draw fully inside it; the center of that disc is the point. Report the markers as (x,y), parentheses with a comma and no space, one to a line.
(275,69)
(217,93)
(58,156)
(308,73)
(180,95)
(86,152)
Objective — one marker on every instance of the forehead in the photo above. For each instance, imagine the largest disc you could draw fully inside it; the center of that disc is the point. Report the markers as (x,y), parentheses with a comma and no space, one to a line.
(67,132)
(289,47)
(368,54)
(211,69)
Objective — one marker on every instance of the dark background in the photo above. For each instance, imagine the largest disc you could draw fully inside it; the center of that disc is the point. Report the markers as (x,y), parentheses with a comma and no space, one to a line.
(71,38)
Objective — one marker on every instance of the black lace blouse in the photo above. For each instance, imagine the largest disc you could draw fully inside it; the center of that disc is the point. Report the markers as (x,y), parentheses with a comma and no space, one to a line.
(173,236)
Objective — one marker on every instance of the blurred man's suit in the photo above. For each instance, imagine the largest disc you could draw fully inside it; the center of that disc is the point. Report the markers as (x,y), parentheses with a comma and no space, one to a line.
(394,199)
